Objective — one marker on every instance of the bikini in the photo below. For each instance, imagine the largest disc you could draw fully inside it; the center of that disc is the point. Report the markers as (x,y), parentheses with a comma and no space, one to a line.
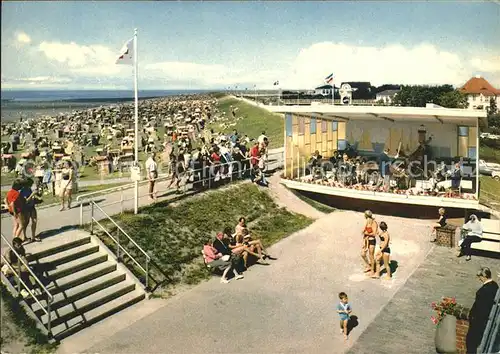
(387,249)
(371,239)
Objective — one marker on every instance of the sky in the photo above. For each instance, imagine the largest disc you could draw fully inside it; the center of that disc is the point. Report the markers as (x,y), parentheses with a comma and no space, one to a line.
(217,45)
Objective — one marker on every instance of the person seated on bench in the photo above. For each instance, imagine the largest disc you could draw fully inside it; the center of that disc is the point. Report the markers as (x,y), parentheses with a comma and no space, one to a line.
(473,232)
(315,164)
(456,179)
(216,260)
(440,223)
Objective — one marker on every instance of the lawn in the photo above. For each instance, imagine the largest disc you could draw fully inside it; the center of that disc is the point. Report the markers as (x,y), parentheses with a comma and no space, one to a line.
(489,154)
(490,192)
(173,235)
(19,333)
(255,120)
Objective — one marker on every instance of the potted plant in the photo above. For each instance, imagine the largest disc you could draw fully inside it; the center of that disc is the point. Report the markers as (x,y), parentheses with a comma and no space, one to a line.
(446,322)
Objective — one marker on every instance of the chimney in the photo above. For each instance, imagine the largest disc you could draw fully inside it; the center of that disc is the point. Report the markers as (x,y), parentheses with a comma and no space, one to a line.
(478,76)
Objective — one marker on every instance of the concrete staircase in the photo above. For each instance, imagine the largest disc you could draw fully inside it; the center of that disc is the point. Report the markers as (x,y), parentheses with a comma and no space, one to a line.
(86,281)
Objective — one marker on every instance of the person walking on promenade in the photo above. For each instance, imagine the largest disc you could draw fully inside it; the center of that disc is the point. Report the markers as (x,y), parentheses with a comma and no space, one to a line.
(152,171)
(344,310)
(68,177)
(369,242)
(480,311)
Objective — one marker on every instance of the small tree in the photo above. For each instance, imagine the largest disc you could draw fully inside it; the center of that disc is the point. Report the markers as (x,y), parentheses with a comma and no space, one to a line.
(453,99)
(492,109)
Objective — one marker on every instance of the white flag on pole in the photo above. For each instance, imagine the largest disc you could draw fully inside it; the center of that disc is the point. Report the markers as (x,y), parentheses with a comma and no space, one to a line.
(126,56)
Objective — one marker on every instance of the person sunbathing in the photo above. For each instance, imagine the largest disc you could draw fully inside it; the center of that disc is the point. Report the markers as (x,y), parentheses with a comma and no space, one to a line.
(239,248)
(255,245)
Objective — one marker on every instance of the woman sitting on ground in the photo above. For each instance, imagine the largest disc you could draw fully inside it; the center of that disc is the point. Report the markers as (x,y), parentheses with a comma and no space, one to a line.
(440,223)
(216,260)
(384,253)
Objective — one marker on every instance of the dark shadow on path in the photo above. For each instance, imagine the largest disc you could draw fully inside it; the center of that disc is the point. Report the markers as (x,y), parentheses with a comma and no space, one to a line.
(352,323)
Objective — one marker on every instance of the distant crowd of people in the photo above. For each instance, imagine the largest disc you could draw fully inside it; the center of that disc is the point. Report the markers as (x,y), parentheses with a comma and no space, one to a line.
(217,158)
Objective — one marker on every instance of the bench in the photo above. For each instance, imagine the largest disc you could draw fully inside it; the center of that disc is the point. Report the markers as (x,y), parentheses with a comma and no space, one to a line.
(491,236)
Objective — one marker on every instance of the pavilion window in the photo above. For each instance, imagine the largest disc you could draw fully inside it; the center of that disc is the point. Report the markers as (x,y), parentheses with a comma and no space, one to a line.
(302,125)
(472,153)
(463,131)
(312,128)
(288,124)
(335,126)
(324,126)
(341,144)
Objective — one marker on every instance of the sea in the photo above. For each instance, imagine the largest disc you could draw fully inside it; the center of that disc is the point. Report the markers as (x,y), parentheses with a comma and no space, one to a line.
(18,104)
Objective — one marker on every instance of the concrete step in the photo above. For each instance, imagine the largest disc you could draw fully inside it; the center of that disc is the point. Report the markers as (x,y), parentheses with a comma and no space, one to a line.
(75,324)
(69,255)
(77,265)
(81,277)
(53,248)
(81,291)
(88,303)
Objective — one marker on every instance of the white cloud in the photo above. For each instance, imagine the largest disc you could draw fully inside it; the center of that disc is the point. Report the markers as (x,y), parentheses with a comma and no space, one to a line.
(22,38)
(422,64)
(486,64)
(45,79)
(82,59)
(188,72)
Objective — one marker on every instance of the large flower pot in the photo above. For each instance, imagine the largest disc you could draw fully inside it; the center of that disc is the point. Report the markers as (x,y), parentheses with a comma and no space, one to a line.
(446,335)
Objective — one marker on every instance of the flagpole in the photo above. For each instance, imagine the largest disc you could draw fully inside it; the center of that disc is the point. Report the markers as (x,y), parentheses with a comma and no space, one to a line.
(136,122)
(333,93)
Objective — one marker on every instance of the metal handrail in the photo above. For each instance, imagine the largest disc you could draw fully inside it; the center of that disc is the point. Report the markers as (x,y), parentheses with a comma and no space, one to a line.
(117,241)
(165,175)
(88,196)
(50,298)
(490,334)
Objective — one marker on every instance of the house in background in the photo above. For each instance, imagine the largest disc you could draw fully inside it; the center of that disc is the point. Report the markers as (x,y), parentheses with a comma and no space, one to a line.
(479,92)
(325,90)
(386,96)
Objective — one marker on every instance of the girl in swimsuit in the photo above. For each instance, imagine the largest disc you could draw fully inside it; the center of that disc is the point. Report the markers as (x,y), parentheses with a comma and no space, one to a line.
(369,233)
(384,253)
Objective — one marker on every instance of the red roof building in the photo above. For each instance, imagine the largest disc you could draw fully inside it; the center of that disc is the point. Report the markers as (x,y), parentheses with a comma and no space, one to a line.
(479,92)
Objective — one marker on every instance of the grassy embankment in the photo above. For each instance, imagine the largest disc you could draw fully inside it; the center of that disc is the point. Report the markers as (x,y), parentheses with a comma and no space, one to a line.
(255,120)
(490,192)
(174,235)
(19,333)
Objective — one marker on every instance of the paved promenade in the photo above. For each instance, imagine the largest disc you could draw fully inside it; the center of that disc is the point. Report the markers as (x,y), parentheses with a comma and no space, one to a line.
(404,325)
(287,307)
